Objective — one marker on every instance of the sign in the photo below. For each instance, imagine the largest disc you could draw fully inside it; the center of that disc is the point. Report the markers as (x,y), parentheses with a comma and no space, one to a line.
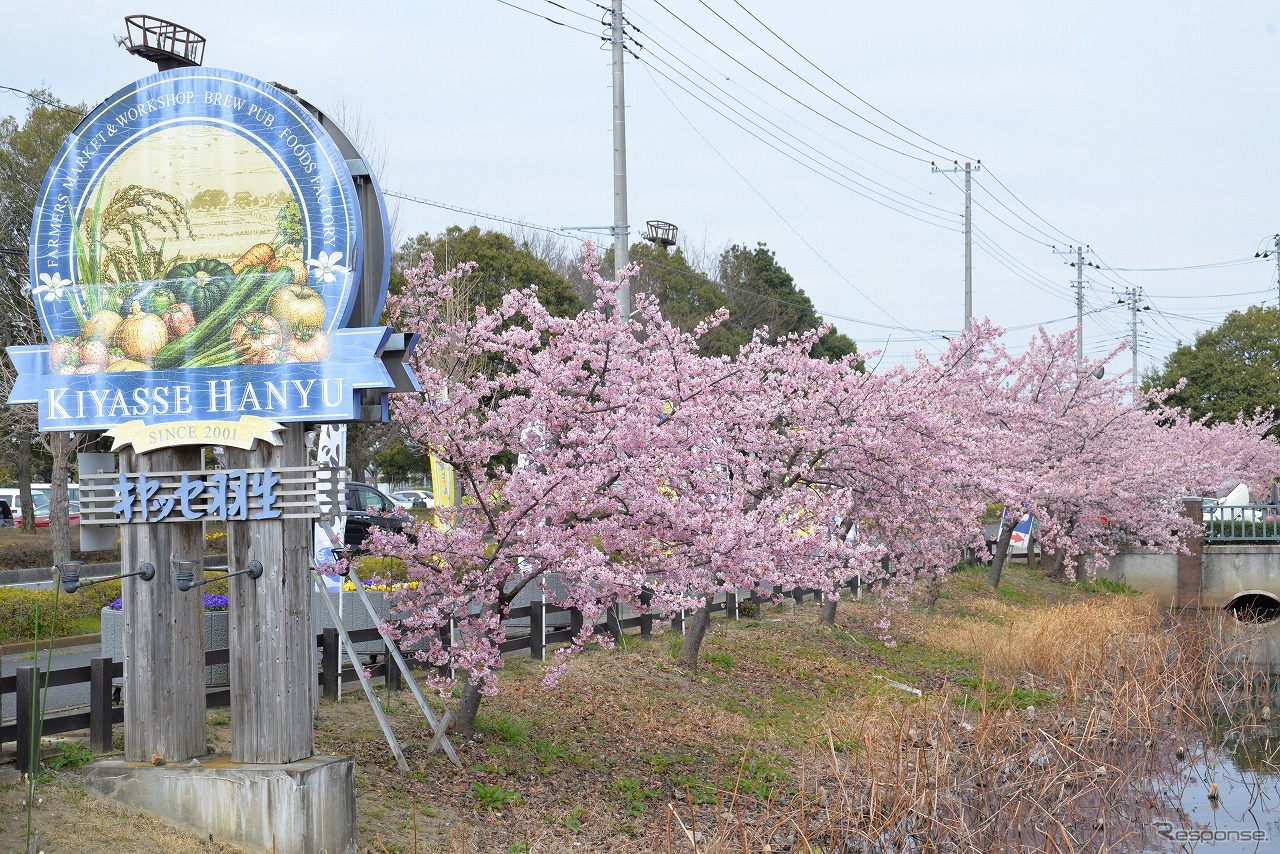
(228,497)
(195,258)
(189,496)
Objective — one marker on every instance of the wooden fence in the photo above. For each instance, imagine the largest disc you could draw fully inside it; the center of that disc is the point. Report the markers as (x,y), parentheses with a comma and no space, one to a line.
(104,712)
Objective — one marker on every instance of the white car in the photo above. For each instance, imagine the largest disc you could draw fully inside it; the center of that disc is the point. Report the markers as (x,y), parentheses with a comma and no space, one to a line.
(408,499)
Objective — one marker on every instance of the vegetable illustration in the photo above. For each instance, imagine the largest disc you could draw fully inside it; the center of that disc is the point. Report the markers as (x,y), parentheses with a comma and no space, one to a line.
(297,306)
(257,333)
(94,352)
(207,344)
(308,344)
(258,254)
(178,319)
(202,284)
(269,356)
(62,350)
(299,269)
(160,299)
(127,365)
(101,326)
(141,335)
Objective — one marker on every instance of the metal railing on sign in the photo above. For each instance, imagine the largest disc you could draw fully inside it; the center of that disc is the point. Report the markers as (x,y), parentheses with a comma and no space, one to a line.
(1257,522)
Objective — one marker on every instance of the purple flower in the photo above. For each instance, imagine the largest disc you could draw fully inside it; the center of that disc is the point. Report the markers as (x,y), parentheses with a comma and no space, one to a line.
(212,602)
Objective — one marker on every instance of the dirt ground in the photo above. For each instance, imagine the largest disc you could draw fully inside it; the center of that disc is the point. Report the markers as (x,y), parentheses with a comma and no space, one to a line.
(621,755)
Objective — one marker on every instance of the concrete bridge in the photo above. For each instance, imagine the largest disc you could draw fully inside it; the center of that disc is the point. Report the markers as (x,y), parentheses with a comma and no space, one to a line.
(1238,579)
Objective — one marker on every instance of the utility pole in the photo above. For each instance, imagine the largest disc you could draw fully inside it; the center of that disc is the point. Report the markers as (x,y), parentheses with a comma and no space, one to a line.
(620,227)
(1133,296)
(1079,264)
(1079,305)
(1277,245)
(969,168)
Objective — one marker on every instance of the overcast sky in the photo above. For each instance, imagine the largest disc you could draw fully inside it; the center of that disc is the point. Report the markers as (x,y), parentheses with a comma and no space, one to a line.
(1147,130)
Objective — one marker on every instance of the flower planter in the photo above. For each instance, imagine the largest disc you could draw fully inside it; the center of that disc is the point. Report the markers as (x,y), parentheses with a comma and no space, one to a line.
(354,616)
(216,636)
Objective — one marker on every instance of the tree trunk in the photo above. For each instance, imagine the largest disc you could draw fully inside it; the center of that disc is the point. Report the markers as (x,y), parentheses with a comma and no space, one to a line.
(829,610)
(932,589)
(1002,551)
(1059,564)
(693,635)
(464,721)
(59,521)
(1031,548)
(24,479)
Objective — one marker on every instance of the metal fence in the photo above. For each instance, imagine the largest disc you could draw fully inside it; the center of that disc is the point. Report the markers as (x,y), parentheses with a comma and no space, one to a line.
(1257,522)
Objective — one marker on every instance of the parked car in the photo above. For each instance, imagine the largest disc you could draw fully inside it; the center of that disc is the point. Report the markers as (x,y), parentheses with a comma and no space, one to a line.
(367,508)
(6,514)
(414,498)
(40,507)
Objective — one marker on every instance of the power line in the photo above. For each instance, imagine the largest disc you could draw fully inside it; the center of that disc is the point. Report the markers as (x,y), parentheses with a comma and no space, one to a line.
(552,20)
(804,80)
(46,101)
(781,129)
(847,89)
(1236,262)
(560,233)
(1055,229)
(883,201)
(776,212)
(785,93)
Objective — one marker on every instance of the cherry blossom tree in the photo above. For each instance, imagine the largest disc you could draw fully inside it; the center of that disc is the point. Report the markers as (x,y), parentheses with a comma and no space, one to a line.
(588,447)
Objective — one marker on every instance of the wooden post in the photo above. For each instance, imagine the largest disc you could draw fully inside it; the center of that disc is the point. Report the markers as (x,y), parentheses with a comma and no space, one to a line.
(330,663)
(24,699)
(538,628)
(575,621)
(272,640)
(646,618)
(731,605)
(100,705)
(798,595)
(677,622)
(164,682)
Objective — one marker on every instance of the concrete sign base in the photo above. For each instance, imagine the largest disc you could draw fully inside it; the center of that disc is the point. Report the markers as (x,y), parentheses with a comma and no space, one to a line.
(303,807)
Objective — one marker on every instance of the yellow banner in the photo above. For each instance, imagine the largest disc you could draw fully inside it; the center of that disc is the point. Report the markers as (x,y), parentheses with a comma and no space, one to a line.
(237,434)
(442,487)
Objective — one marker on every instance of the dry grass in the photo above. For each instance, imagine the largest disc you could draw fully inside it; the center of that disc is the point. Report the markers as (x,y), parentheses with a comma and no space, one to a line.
(1064,642)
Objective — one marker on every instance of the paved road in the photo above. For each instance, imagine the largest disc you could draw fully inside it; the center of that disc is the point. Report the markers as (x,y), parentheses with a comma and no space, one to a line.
(60,697)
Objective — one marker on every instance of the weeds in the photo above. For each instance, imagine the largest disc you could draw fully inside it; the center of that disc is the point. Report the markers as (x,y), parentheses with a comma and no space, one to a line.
(69,756)
(494,797)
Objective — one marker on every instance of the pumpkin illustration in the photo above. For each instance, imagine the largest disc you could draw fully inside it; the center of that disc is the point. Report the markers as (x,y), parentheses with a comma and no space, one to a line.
(202,284)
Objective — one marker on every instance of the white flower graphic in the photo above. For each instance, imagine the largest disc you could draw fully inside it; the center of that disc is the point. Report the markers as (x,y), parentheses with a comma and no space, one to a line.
(327,266)
(51,287)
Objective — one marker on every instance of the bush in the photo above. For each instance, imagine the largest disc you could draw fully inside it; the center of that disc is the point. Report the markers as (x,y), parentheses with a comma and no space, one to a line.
(18,608)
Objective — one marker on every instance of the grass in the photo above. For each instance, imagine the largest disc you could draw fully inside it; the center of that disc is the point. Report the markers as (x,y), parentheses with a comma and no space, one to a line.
(782,725)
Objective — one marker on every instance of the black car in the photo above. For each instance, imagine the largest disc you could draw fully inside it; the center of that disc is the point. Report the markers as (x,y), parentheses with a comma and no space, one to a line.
(368,507)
